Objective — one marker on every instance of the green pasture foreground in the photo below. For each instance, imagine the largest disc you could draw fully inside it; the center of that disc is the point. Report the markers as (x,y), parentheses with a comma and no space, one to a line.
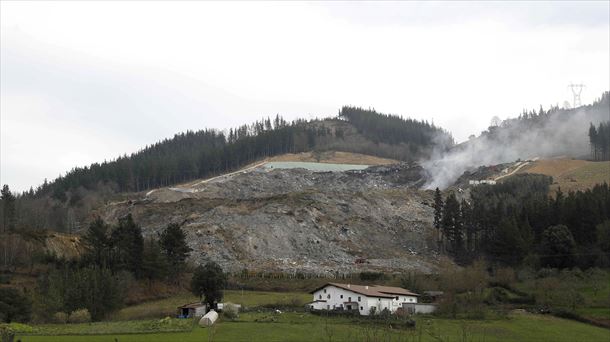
(270,327)
(168,306)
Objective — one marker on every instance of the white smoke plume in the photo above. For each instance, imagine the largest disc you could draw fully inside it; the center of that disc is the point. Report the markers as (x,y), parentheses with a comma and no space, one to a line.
(559,133)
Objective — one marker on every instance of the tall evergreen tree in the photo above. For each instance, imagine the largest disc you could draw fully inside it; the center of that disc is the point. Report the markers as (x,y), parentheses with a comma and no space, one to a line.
(154,263)
(452,225)
(98,243)
(174,246)
(128,245)
(8,208)
(557,245)
(507,245)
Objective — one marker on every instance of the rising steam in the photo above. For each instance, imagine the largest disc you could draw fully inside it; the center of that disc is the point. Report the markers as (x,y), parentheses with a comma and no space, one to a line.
(559,133)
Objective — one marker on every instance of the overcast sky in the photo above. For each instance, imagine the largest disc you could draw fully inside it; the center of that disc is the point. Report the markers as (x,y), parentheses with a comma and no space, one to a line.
(87,81)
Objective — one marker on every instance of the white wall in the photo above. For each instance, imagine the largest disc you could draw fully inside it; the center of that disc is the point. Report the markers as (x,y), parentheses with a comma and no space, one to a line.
(318,305)
(333,299)
(332,295)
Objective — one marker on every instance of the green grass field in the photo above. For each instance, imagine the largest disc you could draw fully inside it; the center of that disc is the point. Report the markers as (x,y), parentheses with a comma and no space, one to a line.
(307,327)
(168,306)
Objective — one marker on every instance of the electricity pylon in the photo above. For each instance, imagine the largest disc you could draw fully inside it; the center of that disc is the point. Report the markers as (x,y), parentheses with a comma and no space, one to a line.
(576,91)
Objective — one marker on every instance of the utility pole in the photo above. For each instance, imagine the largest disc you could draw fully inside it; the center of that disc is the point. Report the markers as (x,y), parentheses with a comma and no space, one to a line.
(576,91)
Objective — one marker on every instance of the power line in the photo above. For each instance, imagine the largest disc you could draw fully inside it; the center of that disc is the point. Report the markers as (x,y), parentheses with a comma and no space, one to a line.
(576,91)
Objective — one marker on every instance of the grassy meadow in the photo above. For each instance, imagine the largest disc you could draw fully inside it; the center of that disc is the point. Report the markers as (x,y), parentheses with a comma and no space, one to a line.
(265,326)
(153,320)
(168,306)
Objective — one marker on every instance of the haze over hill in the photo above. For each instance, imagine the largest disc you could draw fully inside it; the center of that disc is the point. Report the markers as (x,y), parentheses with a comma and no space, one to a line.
(546,133)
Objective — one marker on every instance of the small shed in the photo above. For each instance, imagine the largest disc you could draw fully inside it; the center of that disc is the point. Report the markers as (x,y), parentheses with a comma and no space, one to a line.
(191,310)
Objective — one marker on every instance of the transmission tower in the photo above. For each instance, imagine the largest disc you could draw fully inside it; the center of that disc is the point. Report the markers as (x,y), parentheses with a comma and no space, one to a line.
(576,90)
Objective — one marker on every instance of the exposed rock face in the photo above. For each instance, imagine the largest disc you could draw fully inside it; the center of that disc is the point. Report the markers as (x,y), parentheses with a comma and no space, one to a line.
(298,220)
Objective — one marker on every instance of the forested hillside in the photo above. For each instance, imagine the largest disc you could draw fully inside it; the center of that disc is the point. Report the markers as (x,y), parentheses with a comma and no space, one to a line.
(62,203)
(516,222)
(394,129)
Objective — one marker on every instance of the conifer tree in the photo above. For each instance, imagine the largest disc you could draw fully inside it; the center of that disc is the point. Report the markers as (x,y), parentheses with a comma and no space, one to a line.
(8,208)
(154,263)
(128,245)
(175,248)
(98,243)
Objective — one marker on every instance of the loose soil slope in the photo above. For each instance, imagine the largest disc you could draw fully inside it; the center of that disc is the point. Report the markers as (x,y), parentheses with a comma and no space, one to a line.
(298,220)
(571,174)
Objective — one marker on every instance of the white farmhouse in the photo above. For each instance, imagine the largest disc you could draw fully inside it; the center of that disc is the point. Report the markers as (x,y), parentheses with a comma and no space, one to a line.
(335,296)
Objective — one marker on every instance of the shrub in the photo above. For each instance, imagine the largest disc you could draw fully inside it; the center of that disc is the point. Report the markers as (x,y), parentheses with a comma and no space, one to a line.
(80,316)
(497,295)
(505,276)
(60,317)
(371,275)
(230,311)
(5,278)
(6,334)
(296,302)
(14,306)
(385,314)
(19,328)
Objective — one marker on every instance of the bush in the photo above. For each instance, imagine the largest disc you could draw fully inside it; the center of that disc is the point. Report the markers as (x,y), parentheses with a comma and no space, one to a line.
(5,278)
(19,328)
(497,295)
(230,311)
(505,276)
(80,316)
(296,302)
(14,306)
(60,317)
(371,275)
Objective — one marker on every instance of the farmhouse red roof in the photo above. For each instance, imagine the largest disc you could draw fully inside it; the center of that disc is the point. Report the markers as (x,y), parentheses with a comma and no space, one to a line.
(371,291)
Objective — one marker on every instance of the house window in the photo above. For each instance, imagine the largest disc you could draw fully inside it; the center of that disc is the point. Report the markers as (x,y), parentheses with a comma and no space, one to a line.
(320,296)
(328,296)
(349,299)
(379,299)
(324,290)
(327,307)
(361,308)
(359,299)
(397,297)
(341,296)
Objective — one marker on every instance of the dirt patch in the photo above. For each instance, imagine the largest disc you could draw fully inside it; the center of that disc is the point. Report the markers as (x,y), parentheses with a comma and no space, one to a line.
(571,174)
(334,158)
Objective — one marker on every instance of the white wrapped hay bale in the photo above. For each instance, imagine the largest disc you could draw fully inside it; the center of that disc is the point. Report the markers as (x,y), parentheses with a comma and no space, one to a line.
(208,319)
